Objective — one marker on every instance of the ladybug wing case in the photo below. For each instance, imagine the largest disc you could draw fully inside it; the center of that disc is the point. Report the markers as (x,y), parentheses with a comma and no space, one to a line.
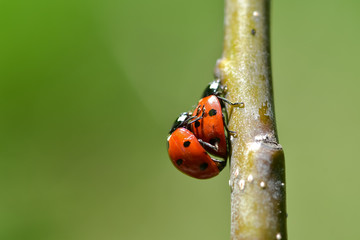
(187,155)
(210,128)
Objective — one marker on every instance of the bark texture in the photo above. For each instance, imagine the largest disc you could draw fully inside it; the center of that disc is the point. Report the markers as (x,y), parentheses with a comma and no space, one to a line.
(257,167)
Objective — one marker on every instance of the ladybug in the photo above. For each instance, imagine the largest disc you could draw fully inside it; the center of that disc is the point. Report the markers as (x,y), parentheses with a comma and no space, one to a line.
(187,153)
(211,127)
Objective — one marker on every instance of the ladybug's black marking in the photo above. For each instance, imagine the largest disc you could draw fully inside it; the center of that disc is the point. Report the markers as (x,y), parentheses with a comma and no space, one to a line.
(214,88)
(179,162)
(180,121)
(203,166)
(253,32)
(197,124)
(187,143)
(212,112)
(213,141)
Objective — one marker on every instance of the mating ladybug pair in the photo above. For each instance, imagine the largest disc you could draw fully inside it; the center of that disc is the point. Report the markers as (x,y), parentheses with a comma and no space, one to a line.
(196,138)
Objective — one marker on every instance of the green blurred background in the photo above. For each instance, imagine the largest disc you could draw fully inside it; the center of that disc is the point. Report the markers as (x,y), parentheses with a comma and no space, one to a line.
(89,90)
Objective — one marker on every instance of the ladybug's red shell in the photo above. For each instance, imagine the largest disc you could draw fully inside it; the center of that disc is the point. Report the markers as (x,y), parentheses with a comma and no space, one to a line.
(210,128)
(187,155)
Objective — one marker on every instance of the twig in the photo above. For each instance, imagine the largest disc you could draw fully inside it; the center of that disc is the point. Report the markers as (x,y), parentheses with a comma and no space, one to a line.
(257,180)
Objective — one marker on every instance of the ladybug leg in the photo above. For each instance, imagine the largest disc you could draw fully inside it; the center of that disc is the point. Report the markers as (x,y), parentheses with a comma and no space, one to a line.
(193,119)
(214,147)
(220,163)
(197,113)
(233,133)
(196,119)
(238,104)
(218,160)
(200,109)
(190,120)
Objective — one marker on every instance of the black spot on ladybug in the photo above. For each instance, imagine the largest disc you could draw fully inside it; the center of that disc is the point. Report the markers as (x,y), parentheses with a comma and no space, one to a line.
(213,141)
(197,124)
(253,32)
(212,112)
(187,143)
(203,166)
(179,162)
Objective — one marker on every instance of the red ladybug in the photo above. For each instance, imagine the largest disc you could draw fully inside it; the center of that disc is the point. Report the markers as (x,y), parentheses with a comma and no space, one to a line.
(194,136)
(187,153)
(211,127)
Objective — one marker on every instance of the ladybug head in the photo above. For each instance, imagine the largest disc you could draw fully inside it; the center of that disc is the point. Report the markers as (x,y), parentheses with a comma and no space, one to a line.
(181,121)
(214,88)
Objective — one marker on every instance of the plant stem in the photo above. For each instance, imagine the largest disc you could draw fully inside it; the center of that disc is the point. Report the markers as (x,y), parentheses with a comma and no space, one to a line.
(257,168)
